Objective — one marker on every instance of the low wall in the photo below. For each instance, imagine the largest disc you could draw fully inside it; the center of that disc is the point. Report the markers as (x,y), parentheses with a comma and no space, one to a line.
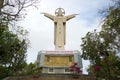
(51,77)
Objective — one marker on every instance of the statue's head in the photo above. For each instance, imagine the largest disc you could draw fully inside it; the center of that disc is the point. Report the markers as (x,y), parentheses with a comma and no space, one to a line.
(59,12)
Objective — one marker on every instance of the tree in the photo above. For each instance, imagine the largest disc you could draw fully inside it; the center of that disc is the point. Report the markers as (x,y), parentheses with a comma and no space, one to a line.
(12,52)
(76,71)
(102,48)
(30,69)
(11,10)
(13,41)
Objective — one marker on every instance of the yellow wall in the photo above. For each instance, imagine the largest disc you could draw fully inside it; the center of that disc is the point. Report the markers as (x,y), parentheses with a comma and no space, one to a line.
(58,60)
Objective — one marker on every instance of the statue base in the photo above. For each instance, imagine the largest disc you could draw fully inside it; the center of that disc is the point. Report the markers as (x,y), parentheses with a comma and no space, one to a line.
(58,61)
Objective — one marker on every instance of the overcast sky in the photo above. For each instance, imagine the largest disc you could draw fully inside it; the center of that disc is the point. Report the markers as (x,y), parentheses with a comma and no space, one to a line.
(41,29)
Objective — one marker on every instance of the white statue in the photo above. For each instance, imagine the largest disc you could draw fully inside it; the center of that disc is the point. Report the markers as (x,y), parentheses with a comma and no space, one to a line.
(59,27)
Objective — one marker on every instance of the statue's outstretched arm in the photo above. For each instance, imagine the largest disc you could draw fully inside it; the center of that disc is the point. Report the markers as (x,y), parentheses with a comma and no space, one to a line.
(49,16)
(70,16)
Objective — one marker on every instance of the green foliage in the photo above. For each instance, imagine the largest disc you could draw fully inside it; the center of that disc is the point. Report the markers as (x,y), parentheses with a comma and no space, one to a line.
(3,72)
(30,69)
(13,41)
(12,52)
(102,48)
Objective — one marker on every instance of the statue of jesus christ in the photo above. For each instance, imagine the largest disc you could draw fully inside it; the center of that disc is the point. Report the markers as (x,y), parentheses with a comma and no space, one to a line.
(59,27)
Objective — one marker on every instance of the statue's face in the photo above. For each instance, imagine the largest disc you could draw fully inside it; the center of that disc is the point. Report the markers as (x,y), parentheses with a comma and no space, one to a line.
(59,12)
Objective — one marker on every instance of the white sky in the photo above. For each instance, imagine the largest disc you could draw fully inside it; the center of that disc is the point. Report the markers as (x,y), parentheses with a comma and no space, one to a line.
(41,29)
